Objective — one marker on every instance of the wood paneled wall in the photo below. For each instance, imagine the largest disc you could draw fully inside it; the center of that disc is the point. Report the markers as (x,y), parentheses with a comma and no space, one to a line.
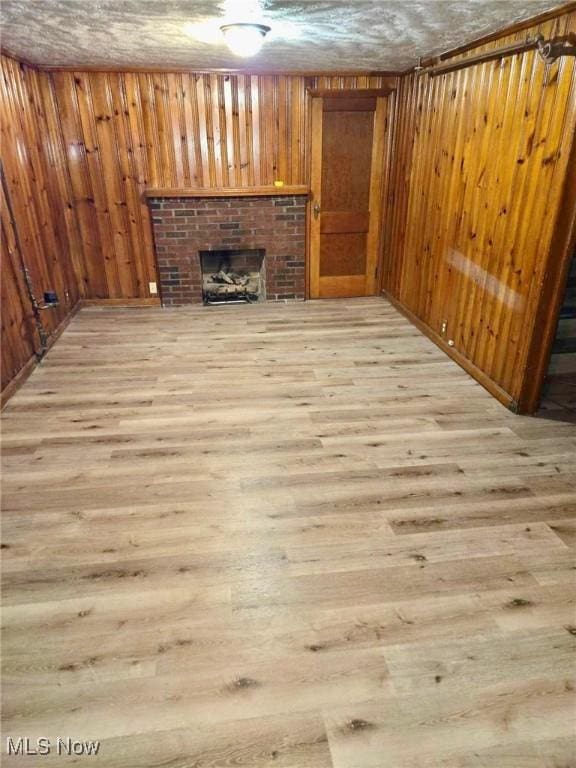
(124,132)
(478,176)
(80,148)
(477,190)
(38,220)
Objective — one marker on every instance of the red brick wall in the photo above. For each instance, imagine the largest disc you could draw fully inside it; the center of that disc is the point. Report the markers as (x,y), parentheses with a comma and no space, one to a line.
(185,226)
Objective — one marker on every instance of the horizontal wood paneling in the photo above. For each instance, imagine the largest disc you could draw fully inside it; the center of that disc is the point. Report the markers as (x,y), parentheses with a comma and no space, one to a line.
(38,221)
(480,162)
(127,132)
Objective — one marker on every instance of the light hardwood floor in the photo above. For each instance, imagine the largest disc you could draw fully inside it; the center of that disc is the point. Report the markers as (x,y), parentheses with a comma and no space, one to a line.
(283,535)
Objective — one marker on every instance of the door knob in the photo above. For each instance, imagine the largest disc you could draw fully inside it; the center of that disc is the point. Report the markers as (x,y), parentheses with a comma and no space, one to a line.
(316,210)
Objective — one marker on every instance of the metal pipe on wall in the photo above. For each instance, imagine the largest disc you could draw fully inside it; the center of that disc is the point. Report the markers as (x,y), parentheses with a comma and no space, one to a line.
(549,51)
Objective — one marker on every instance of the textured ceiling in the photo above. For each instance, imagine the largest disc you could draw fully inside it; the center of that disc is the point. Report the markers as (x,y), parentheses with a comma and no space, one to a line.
(307,35)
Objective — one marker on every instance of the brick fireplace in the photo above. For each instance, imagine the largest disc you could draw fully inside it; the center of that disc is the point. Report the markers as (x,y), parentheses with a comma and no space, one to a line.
(185,227)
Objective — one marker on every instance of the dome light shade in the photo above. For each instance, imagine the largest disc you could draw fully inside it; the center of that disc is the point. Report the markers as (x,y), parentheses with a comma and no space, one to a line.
(244,39)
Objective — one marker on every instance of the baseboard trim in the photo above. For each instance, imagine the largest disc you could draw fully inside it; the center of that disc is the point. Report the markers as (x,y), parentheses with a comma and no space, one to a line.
(152,301)
(24,373)
(477,373)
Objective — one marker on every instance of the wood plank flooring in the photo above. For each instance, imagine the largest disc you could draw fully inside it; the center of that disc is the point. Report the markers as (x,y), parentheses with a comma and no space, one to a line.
(289,535)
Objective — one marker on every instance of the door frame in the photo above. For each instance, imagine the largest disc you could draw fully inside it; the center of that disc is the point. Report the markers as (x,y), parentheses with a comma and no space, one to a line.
(381,147)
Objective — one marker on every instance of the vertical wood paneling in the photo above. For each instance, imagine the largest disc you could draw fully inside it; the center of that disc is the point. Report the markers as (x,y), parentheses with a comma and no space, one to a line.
(124,132)
(19,341)
(477,176)
(480,160)
(93,277)
(39,226)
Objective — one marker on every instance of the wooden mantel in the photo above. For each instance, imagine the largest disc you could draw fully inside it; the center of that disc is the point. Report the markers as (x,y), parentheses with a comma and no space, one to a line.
(228,191)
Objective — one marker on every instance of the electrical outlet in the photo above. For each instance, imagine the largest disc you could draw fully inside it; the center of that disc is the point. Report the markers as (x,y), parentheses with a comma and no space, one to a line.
(444,326)
(152,287)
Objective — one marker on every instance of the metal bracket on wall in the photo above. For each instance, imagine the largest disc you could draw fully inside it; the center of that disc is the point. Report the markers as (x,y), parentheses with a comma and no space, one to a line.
(551,50)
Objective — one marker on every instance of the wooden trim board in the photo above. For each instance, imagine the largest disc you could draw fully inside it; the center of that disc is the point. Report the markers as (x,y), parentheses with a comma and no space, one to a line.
(551,297)
(153,301)
(267,191)
(357,93)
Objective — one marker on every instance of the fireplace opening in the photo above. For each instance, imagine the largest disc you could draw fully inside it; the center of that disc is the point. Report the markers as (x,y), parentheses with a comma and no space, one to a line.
(233,276)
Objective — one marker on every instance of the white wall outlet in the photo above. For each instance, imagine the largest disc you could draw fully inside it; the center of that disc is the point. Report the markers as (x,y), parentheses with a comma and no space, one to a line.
(444,327)
(152,287)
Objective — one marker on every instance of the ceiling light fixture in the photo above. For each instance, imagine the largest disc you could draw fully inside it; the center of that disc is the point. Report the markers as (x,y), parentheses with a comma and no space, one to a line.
(244,39)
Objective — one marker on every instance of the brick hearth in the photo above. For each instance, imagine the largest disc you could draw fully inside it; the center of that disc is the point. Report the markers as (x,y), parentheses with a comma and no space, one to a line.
(185,226)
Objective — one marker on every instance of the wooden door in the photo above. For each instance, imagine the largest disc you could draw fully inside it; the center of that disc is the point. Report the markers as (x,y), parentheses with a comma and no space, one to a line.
(348,139)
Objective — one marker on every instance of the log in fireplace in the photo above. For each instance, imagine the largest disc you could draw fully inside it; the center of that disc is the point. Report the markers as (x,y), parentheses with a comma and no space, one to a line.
(233,276)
